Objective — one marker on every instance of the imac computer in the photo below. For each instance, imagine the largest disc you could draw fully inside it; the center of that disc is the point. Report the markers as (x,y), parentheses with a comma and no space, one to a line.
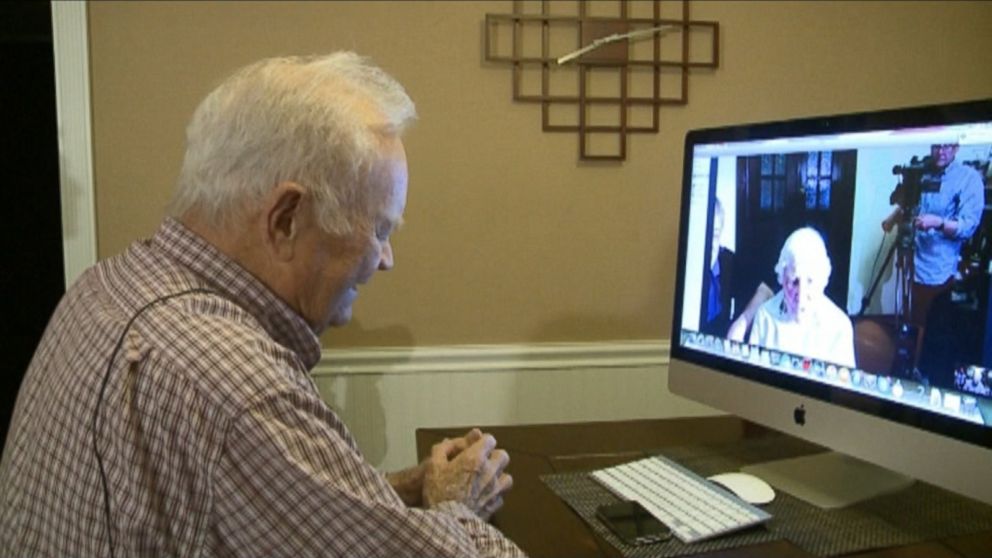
(833,283)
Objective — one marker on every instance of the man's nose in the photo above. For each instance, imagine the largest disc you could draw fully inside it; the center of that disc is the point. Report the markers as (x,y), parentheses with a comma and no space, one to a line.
(386,257)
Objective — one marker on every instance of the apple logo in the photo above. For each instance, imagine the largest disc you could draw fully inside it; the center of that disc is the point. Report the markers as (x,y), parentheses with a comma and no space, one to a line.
(799,415)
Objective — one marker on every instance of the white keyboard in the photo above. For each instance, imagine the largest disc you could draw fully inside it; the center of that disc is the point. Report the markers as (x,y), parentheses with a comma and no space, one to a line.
(692,507)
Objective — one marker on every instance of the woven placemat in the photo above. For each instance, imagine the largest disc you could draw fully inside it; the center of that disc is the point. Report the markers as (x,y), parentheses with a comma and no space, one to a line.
(584,495)
(876,523)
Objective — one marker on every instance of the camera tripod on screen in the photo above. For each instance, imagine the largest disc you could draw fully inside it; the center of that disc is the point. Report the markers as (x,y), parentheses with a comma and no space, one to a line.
(915,180)
(904,251)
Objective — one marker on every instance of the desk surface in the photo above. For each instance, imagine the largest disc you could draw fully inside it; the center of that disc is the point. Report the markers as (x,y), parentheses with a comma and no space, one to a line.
(544,526)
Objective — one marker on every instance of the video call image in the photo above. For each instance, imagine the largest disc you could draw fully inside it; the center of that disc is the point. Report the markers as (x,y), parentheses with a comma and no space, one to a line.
(867,267)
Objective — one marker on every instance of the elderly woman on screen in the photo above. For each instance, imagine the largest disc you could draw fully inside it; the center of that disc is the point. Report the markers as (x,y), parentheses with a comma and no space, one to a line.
(800,319)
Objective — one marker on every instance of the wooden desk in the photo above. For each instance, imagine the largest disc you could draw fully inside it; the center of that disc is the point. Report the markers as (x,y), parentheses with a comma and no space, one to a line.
(544,526)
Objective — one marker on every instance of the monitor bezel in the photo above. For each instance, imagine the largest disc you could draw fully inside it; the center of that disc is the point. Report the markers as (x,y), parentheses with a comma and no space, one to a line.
(867,121)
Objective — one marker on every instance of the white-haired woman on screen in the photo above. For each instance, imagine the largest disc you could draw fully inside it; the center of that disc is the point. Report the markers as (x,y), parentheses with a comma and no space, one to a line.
(800,319)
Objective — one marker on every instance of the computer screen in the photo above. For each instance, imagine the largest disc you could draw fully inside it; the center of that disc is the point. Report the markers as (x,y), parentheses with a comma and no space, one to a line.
(834,281)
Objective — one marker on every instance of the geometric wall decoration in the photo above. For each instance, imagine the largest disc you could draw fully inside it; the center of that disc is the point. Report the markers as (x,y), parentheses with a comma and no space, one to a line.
(601,69)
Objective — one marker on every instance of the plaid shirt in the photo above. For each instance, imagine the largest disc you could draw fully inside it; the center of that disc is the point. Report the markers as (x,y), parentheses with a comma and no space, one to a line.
(212,435)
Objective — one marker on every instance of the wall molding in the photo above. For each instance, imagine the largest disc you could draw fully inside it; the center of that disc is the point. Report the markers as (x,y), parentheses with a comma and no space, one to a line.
(72,97)
(385,394)
(492,358)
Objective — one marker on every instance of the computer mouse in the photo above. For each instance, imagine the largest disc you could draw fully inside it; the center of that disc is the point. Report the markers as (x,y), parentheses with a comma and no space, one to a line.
(749,488)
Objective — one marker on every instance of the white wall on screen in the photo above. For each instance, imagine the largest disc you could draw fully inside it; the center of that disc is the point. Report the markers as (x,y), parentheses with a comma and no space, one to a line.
(726,192)
(874,184)
(694,262)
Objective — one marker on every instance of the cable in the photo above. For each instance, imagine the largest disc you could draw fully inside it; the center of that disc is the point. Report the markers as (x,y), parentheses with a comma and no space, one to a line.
(99,402)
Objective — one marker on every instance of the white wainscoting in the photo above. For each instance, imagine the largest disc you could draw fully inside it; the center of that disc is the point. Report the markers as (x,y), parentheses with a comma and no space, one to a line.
(384,394)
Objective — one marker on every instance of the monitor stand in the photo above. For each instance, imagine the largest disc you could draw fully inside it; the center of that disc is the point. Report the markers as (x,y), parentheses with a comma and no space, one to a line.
(829,480)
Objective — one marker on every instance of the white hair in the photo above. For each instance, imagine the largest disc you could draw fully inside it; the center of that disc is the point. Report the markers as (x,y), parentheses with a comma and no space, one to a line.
(805,245)
(318,121)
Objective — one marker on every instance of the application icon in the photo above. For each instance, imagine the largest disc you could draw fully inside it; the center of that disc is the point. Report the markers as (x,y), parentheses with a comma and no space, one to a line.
(755,353)
(952,402)
(969,405)
(897,390)
(870,381)
(818,368)
(884,382)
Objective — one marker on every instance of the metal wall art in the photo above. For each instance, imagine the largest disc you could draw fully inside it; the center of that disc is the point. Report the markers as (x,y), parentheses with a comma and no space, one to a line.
(606,66)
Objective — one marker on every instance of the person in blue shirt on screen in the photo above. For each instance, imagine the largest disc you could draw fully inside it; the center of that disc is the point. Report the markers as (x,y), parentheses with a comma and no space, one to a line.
(800,319)
(947,218)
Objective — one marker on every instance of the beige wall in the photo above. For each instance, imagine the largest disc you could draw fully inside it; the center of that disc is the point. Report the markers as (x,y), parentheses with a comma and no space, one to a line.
(509,239)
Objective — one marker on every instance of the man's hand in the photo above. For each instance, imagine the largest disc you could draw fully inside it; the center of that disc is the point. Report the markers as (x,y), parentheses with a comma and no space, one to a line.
(928,221)
(468,470)
(409,483)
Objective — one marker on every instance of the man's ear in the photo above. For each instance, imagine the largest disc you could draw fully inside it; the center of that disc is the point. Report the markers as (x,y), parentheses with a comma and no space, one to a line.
(284,210)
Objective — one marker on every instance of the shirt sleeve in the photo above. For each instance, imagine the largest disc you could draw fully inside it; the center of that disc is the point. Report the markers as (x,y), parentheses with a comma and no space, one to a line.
(971,205)
(290,482)
(844,351)
(759,327)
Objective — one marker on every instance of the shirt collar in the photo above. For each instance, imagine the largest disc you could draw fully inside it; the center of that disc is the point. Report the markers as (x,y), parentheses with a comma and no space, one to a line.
(230,280)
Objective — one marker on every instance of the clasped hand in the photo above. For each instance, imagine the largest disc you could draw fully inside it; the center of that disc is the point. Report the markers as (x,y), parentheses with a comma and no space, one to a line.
(468,470)
(928,221)
(922,222)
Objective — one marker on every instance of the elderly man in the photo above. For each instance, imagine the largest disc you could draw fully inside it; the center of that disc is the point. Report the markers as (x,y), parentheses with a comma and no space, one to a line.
(169,409)
(800,319)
